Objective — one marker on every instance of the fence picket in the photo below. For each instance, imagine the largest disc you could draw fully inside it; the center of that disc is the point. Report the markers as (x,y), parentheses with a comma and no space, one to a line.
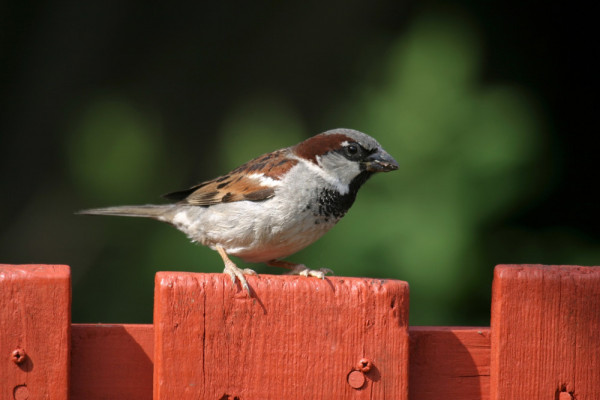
(295,338)
(545,332)
(35,328)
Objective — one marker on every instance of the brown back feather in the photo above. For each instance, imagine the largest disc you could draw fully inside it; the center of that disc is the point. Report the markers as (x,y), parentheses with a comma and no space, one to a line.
(238,185)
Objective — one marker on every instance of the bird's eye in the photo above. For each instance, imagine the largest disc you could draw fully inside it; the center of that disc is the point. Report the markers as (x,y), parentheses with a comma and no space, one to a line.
(352,149)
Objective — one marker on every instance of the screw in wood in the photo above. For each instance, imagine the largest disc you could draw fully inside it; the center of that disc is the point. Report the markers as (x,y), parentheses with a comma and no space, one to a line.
(365,365)
(18,356)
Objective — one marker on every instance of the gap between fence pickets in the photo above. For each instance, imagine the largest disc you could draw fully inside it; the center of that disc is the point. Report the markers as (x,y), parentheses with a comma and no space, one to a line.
(115,361)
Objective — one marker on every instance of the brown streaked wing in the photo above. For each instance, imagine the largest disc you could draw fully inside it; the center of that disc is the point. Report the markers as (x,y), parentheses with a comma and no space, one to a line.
(240,187)
(182,194)
(238,184)
(272,165)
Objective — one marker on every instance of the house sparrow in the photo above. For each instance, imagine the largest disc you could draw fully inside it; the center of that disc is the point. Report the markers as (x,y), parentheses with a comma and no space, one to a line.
(274,205)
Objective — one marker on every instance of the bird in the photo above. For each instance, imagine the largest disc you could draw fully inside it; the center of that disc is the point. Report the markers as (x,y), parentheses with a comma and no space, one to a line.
(274,205)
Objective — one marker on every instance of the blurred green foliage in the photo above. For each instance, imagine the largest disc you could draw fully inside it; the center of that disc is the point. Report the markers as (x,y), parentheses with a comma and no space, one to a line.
(115,150)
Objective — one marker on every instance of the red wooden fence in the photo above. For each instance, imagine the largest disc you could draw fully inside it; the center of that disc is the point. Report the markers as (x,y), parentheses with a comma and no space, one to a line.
(298,338)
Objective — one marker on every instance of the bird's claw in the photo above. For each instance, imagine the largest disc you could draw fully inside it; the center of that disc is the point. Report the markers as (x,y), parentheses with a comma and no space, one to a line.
(302,270)
(234,272)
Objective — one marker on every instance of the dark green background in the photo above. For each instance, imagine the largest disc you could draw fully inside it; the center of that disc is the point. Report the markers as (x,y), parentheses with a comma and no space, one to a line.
(489,107)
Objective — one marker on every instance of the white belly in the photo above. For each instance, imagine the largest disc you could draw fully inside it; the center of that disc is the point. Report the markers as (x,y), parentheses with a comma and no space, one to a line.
(253,231)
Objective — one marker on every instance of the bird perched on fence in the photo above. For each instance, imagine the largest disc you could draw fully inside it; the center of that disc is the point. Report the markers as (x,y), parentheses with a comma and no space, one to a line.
(274,205)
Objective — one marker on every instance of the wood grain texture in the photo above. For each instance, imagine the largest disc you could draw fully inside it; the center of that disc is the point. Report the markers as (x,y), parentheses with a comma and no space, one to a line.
(296,338)
(114,360)
(545,332)
(111,361)
(449,363)
(35,316)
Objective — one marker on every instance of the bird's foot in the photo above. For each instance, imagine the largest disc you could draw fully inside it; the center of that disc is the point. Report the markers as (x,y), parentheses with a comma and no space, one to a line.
(237,273)
(302,270)
(233,271)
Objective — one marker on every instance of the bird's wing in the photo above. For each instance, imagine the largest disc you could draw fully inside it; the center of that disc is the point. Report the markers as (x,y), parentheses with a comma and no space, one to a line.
(254,181)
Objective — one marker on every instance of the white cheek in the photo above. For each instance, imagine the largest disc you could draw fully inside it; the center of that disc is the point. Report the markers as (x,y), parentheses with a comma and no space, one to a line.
(341,169)
(331,179)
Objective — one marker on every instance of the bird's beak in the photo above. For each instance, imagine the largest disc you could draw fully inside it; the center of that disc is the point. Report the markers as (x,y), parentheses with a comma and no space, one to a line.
(380,161)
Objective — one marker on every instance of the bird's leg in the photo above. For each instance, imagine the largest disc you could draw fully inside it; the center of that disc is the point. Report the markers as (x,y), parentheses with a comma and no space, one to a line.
(300,269)
(233,271)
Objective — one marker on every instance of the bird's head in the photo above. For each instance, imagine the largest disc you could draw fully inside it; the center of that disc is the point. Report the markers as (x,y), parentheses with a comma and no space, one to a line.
(347,155)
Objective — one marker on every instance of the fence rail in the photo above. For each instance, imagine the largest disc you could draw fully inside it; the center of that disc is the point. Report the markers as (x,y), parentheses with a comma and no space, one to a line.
(344,338)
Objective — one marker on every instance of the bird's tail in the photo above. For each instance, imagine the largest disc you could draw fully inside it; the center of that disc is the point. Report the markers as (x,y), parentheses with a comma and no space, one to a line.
(145,211)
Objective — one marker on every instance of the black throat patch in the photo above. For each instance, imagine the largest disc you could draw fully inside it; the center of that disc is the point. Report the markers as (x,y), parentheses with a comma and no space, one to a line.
(333,204)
